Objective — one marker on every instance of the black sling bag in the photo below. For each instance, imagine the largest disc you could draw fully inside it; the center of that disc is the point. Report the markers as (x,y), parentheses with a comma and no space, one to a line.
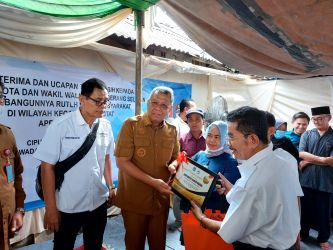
(62,167)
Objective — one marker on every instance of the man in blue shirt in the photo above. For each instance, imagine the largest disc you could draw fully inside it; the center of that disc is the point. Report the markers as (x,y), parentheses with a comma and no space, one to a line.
(300,123)
(316,151)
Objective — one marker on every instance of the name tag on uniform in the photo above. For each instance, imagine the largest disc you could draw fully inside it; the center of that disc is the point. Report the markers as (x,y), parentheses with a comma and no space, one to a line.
(9,172)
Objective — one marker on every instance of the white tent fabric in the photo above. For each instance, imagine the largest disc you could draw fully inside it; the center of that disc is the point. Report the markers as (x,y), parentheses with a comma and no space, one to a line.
(282,97)
(32,28)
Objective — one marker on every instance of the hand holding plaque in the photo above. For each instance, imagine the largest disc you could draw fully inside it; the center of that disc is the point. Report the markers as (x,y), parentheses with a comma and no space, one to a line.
(193,181)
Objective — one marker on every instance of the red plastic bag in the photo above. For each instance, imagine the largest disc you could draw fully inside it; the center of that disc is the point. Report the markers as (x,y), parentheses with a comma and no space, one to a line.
(197,238)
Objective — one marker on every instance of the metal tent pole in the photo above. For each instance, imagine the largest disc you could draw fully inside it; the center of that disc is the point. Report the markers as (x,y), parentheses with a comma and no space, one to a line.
(138,62)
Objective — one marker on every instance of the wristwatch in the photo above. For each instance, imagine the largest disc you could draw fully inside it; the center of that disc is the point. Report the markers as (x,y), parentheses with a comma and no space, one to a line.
(21,210)
(111,187)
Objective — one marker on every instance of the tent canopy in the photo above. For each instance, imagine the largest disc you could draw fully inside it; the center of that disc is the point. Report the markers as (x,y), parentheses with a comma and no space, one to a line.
(78,8)
(276,38)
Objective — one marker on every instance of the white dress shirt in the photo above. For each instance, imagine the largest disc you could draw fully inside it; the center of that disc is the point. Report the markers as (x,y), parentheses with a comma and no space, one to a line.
(263,208)
(181,126)
(84,187)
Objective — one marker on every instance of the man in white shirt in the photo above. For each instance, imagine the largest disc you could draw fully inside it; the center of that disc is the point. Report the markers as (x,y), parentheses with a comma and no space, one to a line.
(263,210)
(87,189)
(180,120)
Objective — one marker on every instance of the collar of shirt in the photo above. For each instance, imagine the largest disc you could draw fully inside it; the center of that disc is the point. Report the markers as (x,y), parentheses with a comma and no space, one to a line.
(292,133)
(180,119)
(189,136)
(248,166)
(80,120)
(147,121)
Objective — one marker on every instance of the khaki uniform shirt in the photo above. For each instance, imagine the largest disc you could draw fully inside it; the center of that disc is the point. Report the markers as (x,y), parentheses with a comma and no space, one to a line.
(151,150)
(11,194)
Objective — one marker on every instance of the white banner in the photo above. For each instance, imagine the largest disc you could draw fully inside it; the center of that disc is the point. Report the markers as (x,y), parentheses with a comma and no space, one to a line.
(36,93)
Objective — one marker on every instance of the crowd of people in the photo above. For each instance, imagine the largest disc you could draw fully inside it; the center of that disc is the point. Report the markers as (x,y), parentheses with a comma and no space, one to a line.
(275,184)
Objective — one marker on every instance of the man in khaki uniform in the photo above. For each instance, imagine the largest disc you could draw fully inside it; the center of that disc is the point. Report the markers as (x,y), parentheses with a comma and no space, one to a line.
(11,192)
(146,152)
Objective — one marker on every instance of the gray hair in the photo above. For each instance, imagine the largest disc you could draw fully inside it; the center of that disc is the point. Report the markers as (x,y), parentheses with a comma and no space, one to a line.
(162,90)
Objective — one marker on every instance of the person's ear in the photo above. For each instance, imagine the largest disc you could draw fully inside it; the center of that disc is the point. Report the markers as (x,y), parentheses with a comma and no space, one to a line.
(270,132)
(81,99)
(253,140)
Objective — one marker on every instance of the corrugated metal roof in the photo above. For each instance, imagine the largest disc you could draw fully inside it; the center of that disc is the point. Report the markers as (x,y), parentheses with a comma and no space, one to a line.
(160,30)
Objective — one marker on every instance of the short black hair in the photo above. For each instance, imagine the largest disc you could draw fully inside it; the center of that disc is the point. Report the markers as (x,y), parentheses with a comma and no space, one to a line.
(185,103)
(270,119)
(250,121)
(87,88)
(2,85)
(300,115)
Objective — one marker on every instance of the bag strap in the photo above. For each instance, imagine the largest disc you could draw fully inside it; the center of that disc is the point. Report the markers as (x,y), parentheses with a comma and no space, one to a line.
(63,166)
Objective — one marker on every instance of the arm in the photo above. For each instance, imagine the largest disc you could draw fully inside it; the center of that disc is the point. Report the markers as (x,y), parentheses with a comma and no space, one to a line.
(212,225)
(125,164)
(308,158)
(17,221)
(314,159)
(108,179)
(52,215)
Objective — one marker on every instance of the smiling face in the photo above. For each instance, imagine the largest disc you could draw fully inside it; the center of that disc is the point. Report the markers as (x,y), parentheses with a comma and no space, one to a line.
(300,125)
(238,142)
(159,105)
(321,121)
(213,140)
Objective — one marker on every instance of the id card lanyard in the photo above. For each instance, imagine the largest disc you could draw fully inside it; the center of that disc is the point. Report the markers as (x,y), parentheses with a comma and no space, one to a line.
(8,166)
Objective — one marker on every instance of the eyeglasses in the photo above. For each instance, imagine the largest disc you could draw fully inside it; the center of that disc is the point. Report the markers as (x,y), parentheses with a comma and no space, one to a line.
(97,102)
(158,105)
(318,119)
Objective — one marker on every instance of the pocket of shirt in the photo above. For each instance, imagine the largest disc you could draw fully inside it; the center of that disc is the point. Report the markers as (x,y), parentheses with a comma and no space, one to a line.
(141,141)
(167,149)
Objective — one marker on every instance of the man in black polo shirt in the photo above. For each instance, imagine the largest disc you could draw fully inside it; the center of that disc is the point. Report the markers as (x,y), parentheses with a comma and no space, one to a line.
(316,152)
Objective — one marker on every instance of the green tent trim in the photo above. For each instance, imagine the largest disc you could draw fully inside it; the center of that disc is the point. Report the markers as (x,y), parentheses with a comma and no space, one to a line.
(78,8)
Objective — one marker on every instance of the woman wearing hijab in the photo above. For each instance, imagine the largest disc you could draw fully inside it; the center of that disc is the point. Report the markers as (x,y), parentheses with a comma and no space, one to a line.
(218,159)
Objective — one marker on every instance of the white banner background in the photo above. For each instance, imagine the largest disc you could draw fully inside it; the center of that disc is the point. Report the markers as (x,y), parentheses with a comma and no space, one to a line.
(36,93)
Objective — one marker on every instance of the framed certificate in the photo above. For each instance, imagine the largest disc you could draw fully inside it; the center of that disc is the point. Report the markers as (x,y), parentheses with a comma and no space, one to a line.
(194,181)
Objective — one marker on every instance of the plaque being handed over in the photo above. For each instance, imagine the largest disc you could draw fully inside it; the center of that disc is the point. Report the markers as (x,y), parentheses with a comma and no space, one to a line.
(193,181)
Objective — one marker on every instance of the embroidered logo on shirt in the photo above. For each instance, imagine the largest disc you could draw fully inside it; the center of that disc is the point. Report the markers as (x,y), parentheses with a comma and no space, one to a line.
(103,134)
(141,152)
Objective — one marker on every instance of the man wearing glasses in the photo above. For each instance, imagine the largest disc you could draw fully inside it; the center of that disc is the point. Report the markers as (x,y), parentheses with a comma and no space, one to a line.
(146,150)
(12,194)
(87,189)
(316,150)
(263,211)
